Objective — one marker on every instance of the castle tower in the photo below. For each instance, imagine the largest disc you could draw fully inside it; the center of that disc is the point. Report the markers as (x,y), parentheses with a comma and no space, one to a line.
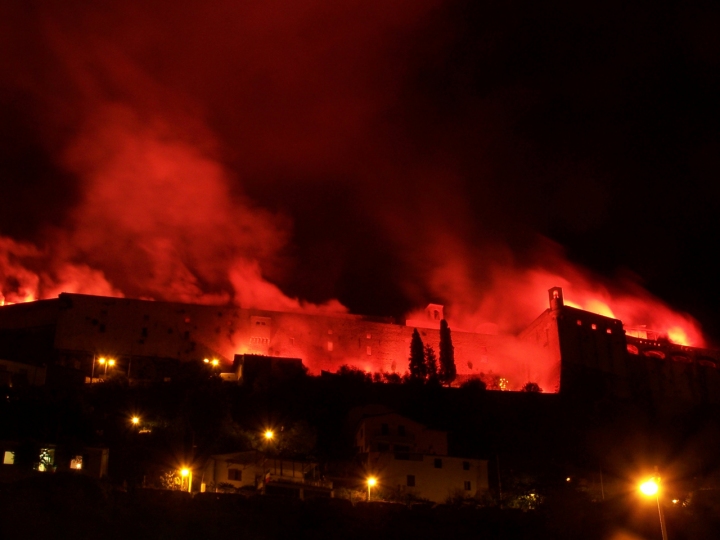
(556,298)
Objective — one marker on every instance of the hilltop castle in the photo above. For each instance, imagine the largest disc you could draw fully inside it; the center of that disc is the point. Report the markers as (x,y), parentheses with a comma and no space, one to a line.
(70,333)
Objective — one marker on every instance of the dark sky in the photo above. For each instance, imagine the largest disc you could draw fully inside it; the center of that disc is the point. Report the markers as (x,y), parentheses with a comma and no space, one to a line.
(384,154)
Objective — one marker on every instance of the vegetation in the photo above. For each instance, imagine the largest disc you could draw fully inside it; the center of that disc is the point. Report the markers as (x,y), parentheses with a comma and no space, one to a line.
(418,369)
(448,371)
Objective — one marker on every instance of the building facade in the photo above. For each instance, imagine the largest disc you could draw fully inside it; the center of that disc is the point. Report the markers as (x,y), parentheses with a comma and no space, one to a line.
(409,460)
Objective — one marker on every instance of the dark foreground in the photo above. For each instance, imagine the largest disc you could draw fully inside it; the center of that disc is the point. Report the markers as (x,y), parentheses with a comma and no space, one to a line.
(69,506)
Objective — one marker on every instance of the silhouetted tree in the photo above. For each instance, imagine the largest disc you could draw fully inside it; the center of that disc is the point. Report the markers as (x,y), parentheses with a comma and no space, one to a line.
(448,371)
(431,364)
(531,387)
(418,370)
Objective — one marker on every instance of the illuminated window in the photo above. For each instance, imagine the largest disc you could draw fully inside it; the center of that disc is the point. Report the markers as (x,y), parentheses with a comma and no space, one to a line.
(47,459)
(9,458)
(329,332)
(438,463)
(466,465)
(579,322)
(411,480)
(468,485)
(235,474)
(369,336)
(369,351)
(76,463)
(330,346)
(593,326)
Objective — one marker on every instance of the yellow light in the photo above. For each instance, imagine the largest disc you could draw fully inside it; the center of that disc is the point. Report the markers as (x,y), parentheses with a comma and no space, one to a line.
(269,434)
(101,361)
(135,420)
(111,363)
(206,360)
(649,487)
(184,472)
(675,501)
(215,362)
(372,481)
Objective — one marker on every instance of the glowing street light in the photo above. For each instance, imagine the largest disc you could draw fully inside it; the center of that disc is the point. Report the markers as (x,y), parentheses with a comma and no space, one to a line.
(650,488)
(135,420)
(215,362)
(186,473)
(269,435)
(105,362)
(371,482)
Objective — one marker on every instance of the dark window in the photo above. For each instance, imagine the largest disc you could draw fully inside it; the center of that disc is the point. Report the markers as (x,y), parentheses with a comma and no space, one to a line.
(466,465)
(438,463)
(402,448)
(383,447)
(384,429)
(144,332)
(401,430)
(234,474)
(102,327)
(411,480)
(467,485)
(402,456)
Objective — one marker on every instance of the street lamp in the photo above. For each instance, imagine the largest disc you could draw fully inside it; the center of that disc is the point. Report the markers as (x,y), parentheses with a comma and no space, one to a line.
(100,361)
(269,435)
(135,420)
(110,363)
(371,482)
(92,371)
(186,473)
(652,487)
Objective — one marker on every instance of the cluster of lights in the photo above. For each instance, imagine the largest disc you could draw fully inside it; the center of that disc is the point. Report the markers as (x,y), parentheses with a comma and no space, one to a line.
(215,362)
(109,361)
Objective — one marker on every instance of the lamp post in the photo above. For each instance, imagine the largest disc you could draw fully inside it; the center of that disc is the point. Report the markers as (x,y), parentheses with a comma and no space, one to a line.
(371,482)
(92,372)
(186,473)
(652,487)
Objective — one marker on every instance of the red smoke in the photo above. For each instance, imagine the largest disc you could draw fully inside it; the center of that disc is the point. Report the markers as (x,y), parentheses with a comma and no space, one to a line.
(511,295)
(183,125)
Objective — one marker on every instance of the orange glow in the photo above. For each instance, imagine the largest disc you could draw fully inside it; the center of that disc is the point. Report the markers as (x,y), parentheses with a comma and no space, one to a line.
(649,488)
(269,434)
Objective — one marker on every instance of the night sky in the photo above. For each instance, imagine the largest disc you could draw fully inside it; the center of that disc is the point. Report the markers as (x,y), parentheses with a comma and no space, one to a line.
(377,154)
